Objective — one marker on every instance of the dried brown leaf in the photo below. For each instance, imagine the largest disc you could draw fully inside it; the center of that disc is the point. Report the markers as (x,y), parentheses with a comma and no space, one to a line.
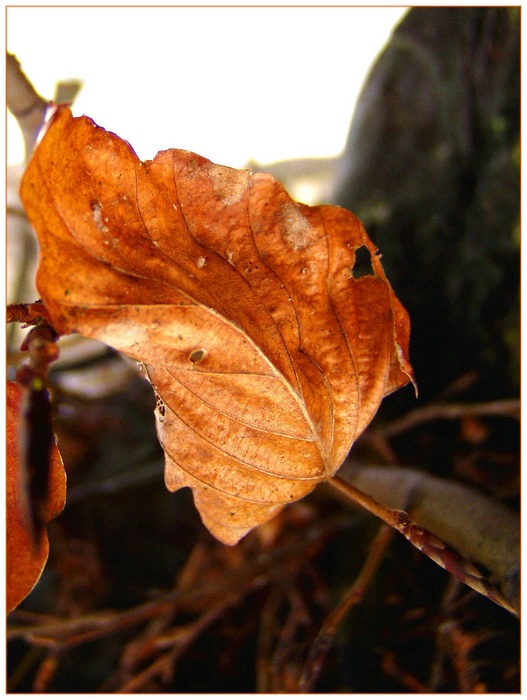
(25,558)
(269,354)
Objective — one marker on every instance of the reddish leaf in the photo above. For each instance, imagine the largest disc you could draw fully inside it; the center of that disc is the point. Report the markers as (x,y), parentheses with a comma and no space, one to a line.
(25,558)
(268,354)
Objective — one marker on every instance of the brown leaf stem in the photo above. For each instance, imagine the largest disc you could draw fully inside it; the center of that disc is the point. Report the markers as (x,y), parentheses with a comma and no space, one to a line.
(28,314)
(474,524)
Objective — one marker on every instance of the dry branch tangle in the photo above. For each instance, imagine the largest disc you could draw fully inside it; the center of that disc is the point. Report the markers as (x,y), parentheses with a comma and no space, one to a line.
(268,356)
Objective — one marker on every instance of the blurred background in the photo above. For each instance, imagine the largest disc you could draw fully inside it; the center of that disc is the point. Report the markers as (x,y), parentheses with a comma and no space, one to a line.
(411,120)
(232,84)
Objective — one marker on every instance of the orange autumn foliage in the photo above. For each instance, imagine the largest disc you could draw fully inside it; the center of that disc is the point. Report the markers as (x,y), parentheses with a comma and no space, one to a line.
(25,559)
(268,351)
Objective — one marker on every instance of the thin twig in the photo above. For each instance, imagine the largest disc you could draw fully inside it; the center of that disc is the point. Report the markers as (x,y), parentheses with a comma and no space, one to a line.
(178,640)
(326,635)
(449,411)
(46,671)
(287,633)
(267,631)
(390,668)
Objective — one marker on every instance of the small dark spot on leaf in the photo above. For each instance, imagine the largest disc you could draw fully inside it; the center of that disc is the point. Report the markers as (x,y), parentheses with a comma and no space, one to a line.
(197,355)
(363,265)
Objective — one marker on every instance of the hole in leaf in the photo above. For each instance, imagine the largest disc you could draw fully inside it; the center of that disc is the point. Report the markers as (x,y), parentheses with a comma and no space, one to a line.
(197,355)
(363,265)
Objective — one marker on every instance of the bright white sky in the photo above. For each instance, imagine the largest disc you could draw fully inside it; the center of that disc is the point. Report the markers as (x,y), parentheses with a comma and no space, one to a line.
(266,83)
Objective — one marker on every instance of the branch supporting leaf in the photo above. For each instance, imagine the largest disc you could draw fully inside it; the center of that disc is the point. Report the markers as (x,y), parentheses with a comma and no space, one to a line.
(426,542)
